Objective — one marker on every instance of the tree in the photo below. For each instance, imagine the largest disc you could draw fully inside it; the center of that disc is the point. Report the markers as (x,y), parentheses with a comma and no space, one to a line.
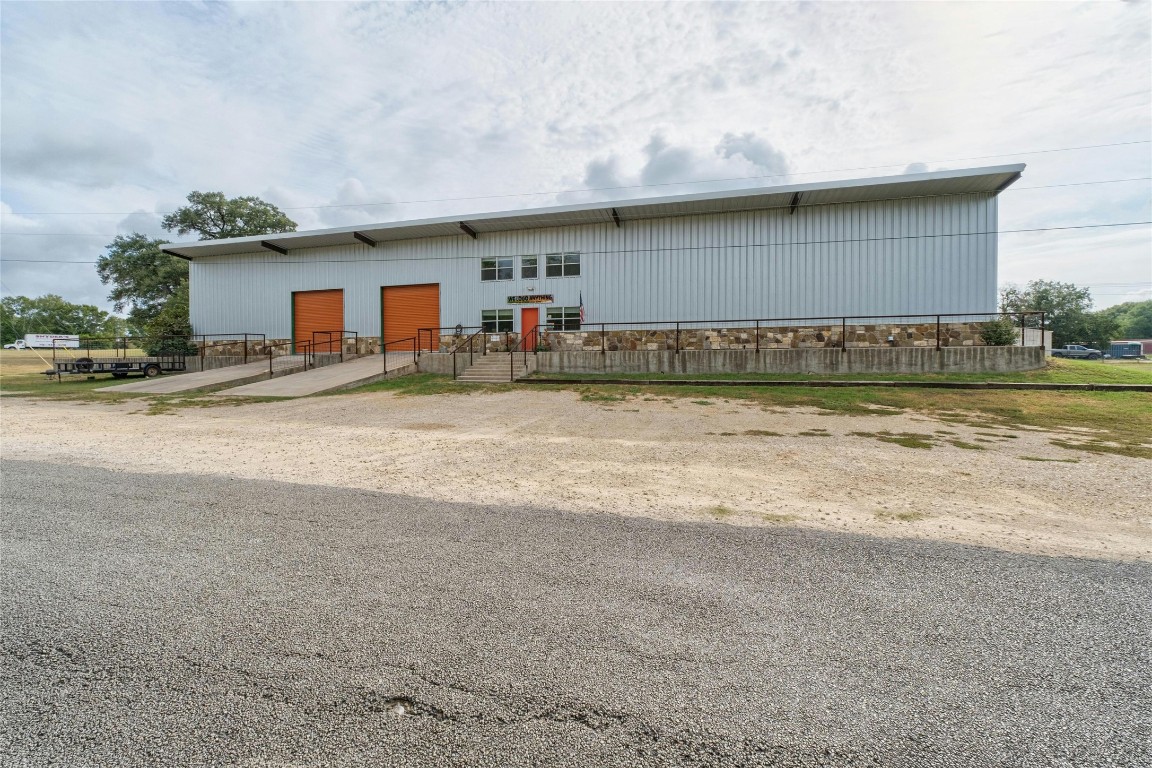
(1099,330)
(155,285)
(998,333)
(170,327)
(214,217)
(142,277)
(20,315)
(1134,319)
(1065,306)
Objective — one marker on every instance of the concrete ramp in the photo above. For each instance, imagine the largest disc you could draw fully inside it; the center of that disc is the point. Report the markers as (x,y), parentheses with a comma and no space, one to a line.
(354,373)
(233,375)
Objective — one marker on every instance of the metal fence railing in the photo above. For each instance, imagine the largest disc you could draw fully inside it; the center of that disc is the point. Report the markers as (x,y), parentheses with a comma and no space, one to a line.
(332,342)
(757,334)
(285,356)
(429,339)
(399,351)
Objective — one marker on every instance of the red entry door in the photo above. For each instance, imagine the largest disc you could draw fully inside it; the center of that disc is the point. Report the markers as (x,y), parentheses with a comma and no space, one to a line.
(529,319)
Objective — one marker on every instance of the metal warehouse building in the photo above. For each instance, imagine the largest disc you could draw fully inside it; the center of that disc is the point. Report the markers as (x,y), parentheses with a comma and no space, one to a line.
(914,244)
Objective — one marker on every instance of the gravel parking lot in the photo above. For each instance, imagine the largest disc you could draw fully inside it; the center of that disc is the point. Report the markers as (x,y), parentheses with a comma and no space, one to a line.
(664,458)
(168,619)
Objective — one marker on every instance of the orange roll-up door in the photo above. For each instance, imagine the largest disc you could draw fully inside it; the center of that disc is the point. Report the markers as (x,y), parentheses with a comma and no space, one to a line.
(408,308)
(318,311)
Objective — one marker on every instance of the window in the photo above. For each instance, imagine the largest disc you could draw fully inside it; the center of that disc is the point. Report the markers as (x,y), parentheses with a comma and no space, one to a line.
(564,318)
(496,320)
(528,268)
(562,265)
(496,269)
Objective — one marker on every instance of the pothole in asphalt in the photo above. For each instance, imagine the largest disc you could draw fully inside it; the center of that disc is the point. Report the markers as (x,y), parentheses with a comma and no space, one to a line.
(398,706)
(403,706)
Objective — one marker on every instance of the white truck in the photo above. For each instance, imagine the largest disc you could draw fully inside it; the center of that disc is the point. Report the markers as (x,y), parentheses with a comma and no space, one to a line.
(45,341)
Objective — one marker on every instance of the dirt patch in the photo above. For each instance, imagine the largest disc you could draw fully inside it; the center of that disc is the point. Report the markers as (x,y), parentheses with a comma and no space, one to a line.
(732,464)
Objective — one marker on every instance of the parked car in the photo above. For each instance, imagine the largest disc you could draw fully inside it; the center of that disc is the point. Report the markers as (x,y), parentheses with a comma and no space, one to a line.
(1078,351)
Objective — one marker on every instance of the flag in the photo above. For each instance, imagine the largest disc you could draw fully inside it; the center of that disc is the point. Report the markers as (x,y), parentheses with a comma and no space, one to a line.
(581,307)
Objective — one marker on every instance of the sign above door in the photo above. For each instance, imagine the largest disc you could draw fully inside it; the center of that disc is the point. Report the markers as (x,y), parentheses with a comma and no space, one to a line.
(532,298)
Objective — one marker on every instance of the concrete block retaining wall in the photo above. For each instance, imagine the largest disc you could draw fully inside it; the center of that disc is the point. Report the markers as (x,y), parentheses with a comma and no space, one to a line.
(803,361)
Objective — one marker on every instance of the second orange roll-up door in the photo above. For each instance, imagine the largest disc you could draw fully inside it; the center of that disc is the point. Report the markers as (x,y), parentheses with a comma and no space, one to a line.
(408,308)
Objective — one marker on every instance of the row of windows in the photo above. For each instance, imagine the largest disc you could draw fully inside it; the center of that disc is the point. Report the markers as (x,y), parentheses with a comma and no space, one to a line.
(555,265)
(558,319)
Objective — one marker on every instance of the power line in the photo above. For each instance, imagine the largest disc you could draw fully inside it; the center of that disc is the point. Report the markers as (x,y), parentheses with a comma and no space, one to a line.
(543,220)
(608,189)
(681,248)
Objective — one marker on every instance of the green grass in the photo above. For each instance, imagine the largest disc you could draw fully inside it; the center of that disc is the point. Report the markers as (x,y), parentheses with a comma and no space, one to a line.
(430,384)
(1102,446)
(966,446)
(161,405)
(773,517)
(592,396)
(81,389)
(1041,458)
(39,385)
(905,439)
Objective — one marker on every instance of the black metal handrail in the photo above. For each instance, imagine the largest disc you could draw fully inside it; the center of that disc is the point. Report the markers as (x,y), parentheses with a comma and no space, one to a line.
(679,326)
(340,336)
(411,341)
(470,341)
(434,333)
(304,348)
(228,338)
(532,334)
(231,339)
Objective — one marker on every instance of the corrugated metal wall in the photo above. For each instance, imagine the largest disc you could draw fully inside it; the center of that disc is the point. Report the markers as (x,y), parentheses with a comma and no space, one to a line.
(892,257)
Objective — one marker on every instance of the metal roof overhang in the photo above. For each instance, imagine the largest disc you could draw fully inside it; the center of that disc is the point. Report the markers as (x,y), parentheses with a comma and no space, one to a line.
(990,180)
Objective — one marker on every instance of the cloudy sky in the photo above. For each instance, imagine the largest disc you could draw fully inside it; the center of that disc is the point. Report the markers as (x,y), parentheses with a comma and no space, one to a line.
(345,114)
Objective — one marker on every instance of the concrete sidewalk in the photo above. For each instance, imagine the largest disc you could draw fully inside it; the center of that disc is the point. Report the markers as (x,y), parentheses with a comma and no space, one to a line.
(234,375)
(362,370)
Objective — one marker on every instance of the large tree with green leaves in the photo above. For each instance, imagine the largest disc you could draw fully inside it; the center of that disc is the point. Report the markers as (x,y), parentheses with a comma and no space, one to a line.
(52,314)
(214,217)
(1134,319)
(154,285)
(1067,310)
(143,278)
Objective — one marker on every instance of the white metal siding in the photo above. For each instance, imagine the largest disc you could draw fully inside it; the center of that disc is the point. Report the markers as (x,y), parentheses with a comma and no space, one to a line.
(913,256)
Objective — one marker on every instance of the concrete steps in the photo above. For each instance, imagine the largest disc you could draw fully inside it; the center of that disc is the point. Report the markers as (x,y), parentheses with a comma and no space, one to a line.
(495,367)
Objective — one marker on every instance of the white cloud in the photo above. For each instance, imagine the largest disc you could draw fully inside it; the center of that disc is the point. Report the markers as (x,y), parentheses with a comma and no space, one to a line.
(126,107)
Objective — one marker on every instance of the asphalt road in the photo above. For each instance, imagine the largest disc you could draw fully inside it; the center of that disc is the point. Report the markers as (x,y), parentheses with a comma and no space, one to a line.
(190,620)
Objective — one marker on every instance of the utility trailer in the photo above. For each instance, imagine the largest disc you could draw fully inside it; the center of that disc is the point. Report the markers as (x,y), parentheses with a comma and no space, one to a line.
(120,367)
